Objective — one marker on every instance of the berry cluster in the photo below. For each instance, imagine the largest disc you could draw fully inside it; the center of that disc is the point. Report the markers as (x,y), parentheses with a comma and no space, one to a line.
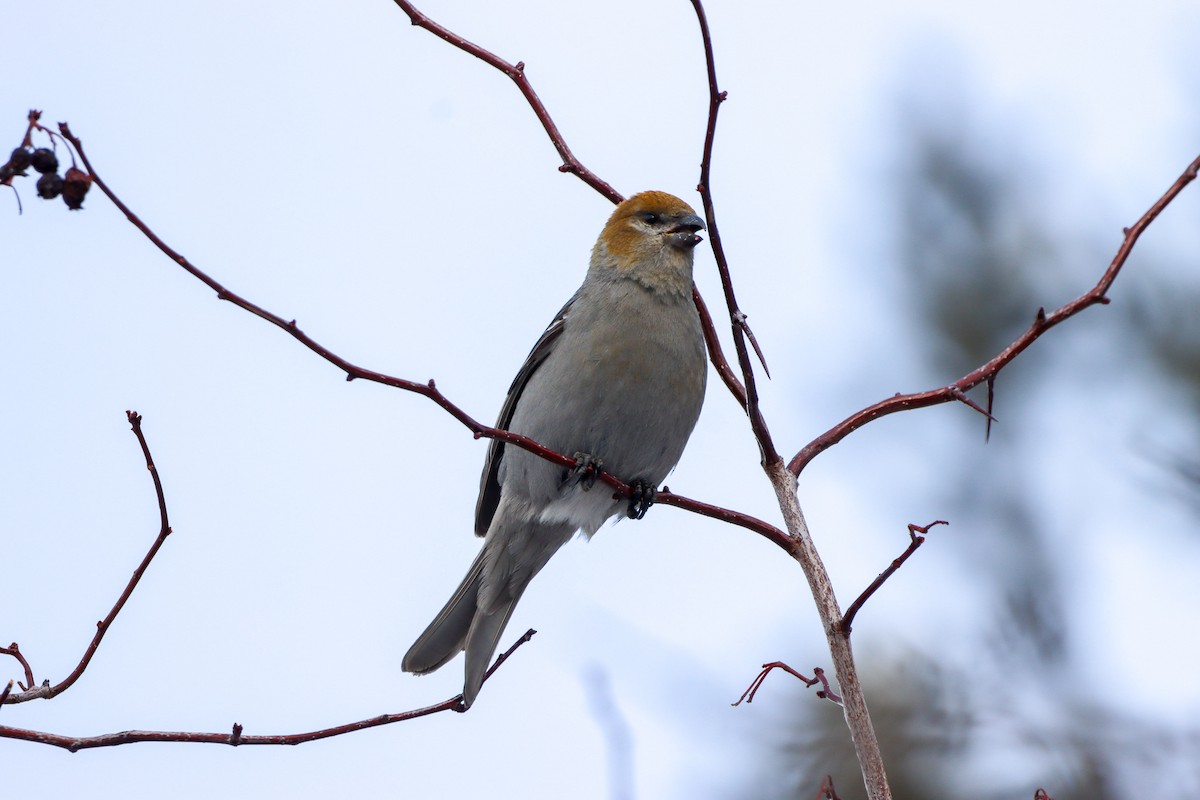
(72,186)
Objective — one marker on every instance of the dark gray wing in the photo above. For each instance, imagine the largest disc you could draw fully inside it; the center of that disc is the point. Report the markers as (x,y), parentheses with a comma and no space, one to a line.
(489,484)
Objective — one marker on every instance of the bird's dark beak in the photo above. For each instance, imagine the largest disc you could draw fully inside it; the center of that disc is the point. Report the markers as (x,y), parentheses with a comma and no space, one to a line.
(684,231)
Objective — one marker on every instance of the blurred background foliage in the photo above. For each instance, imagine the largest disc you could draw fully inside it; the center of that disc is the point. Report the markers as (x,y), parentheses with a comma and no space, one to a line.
(980,245)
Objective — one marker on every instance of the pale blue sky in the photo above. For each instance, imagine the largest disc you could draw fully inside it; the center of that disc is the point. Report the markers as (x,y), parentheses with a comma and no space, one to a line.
(399,200)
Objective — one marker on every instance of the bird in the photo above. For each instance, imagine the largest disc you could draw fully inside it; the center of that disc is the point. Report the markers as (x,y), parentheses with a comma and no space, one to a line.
(616,382)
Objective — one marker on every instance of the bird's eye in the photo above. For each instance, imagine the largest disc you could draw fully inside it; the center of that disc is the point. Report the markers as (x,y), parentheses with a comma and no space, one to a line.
(649,218)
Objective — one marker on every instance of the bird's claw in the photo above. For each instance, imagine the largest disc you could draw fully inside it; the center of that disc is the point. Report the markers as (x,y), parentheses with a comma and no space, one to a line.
(643,497)
(585,471)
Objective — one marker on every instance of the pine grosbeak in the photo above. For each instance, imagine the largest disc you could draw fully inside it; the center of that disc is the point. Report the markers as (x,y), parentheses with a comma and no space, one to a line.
(617,380)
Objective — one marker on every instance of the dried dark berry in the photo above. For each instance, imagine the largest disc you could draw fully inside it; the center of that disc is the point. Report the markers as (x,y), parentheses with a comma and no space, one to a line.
(75,186)
(20,159)
(44,160)
(49,186)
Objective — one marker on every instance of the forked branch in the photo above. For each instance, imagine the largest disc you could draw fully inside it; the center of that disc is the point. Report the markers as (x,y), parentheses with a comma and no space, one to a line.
(47,690)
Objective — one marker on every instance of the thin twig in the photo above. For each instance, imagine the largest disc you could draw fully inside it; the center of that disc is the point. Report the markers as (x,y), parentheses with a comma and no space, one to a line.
(756,684)
(737,318)
(764,529)
(827,692)
(715,354)
(236,738)
(1042,322)
(516,72)
(15,651)
(46,691)
(572,165)
(916,541)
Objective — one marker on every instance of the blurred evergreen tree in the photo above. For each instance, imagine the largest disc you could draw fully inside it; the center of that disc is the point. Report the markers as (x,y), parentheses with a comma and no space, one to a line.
(980,250)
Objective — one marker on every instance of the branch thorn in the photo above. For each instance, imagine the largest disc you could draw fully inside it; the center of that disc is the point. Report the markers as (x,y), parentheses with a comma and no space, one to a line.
(753,342)
(991,395)
(961,397)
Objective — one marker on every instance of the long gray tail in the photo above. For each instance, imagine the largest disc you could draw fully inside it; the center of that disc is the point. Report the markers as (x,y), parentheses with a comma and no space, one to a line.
(446,636)
(476,614)
(460,625)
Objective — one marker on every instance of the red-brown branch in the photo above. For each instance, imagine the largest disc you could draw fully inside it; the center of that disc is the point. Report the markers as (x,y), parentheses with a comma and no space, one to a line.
(756,684)
(715,354)
(764,529)
(737,317)
(572,165)
(236,737)
(15,651)
(428,389)
(46,690)
(915,542)
(516,72)
(826,691)
(1042,322)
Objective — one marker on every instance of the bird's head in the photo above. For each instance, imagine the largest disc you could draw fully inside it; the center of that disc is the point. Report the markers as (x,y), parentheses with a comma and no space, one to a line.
(649,238)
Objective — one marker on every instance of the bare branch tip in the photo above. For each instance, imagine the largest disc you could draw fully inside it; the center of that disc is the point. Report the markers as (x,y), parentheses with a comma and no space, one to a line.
(913,530)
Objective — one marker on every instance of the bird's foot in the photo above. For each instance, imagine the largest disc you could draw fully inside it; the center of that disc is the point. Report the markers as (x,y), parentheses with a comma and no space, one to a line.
(643,497)
(585,471)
